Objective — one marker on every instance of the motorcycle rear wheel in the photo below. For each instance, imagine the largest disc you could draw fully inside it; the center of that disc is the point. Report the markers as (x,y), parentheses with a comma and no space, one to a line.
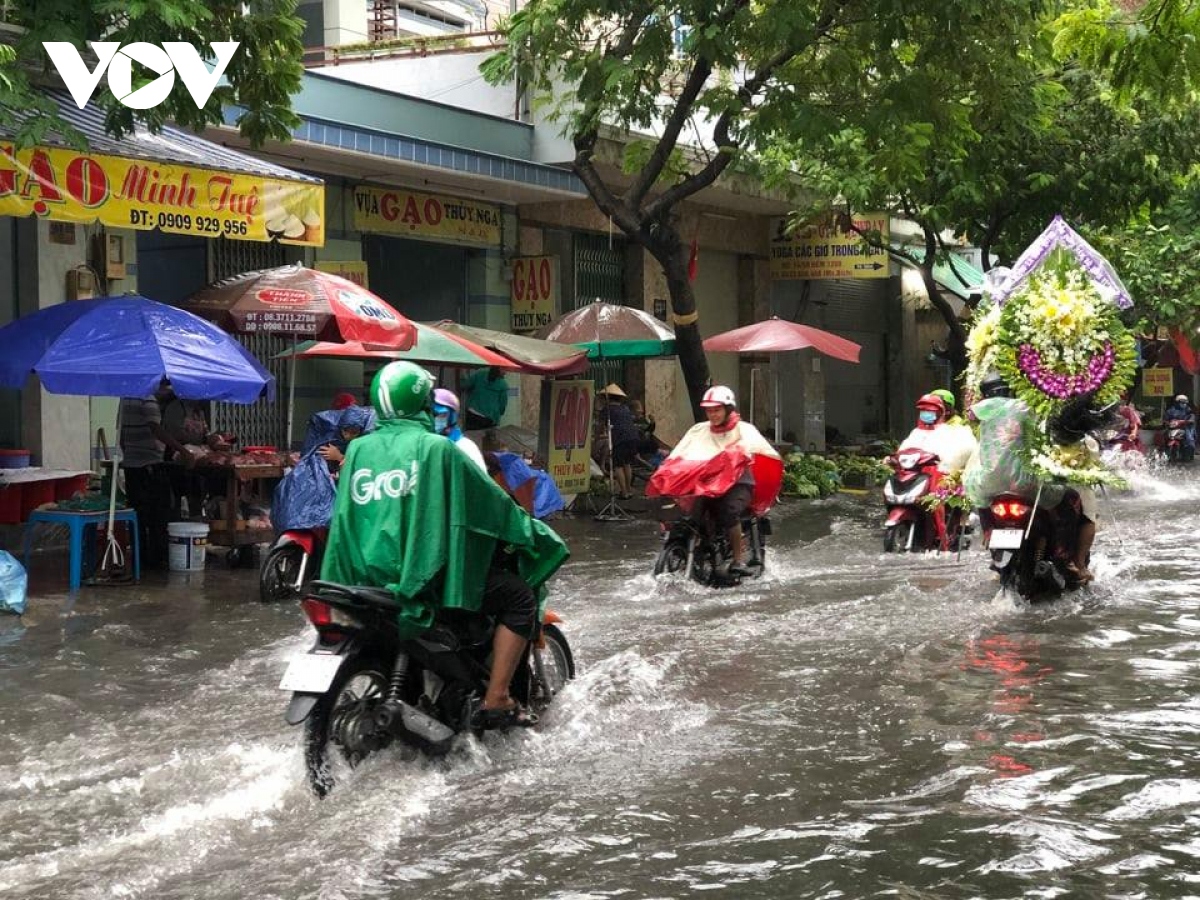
(358,688)
(278,579)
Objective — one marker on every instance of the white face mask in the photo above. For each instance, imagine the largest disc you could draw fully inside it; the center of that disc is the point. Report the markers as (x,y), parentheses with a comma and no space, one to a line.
(441,423)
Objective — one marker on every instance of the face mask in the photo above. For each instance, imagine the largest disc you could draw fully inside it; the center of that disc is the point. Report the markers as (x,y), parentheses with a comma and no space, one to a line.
(441,423)
(928,416)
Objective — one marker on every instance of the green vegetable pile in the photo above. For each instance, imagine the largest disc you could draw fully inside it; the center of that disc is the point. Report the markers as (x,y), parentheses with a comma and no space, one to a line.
(808,476)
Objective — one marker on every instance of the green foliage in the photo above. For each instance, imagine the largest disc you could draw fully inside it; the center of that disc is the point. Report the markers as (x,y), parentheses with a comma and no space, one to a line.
(261,78)
(867,469)
(809,476)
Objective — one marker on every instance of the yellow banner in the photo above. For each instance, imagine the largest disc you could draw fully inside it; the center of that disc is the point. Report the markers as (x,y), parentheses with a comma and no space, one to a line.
(426,217)
(825,251)
(534,292)
(1158,382)
(570,451)
(68,186)
(351,270)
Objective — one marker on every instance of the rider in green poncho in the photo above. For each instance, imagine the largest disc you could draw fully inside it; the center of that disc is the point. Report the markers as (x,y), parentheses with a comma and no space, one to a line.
(416,516)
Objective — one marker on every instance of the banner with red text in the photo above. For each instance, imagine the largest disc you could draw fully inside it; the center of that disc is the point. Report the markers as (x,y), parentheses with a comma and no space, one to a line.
(427,217)
(69,186)
(534,292)
(569,450)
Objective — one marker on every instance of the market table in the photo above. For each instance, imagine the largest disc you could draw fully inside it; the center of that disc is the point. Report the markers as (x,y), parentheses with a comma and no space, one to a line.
(224,532)
(24,490)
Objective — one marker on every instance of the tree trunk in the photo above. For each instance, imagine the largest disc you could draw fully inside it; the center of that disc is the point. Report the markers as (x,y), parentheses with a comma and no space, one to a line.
(668,248)
(956,339)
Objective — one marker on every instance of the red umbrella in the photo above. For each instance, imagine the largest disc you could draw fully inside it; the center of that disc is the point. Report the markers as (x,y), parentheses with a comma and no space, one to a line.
(306,303)
(433,346)
(777,335)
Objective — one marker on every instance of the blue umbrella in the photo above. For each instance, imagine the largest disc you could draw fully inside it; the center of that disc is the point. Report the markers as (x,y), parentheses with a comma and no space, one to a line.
(123,347)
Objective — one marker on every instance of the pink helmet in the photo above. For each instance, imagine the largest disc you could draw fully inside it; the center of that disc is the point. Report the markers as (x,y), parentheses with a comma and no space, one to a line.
(718,395)
(445,397)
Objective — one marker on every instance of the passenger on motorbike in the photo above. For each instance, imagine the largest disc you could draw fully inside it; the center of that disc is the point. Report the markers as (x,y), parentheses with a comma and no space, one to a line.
(416,516)
(353,422)
(445,422)
(1181,410)
(952,416)
(952,444)
(725,431)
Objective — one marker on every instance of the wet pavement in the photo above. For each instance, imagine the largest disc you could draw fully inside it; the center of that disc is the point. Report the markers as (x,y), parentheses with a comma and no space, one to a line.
(855,725)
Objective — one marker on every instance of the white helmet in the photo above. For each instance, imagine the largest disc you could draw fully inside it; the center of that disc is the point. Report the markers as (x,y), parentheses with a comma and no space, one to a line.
(718,395)
(1182,398)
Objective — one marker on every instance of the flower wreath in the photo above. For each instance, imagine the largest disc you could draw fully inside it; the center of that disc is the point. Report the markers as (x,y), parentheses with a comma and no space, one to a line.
(1055,337)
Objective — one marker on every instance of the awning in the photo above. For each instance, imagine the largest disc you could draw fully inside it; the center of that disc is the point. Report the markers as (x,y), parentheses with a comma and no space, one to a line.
(173,181)
(960,277)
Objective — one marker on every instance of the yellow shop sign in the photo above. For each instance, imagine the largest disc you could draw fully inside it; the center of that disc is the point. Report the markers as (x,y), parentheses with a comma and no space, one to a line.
(68,186)
(426,217)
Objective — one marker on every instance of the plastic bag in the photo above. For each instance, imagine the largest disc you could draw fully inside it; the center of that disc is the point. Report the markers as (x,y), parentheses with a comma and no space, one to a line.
(13,582)
(999,467)
(546,496)
(304,498)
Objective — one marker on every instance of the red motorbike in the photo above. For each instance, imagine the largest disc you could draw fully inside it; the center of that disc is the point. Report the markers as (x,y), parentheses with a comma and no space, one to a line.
(293,560)
(1176,445)
(910,524)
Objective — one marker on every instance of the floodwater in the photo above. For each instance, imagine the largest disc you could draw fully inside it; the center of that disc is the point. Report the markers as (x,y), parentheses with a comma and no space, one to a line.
(854,726)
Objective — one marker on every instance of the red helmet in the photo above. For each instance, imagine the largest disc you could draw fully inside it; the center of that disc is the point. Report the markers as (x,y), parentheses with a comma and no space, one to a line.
(934,402)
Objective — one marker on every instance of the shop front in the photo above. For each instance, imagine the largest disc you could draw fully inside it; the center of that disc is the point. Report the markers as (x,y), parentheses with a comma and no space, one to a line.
(157,214)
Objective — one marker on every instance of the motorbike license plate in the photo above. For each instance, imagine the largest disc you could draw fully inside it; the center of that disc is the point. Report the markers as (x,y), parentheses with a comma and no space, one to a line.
(311,673)
(1006,539)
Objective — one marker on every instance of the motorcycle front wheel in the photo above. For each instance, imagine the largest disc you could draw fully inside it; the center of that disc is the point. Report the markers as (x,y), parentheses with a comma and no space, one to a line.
(279,577)
(672,558)
(337,732)
(553,665)
(896,538)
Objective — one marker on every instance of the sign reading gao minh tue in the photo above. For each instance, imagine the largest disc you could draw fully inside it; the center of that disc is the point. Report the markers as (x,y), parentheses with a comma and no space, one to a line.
(427,217)
(823,250)
(67,186)
(534,292)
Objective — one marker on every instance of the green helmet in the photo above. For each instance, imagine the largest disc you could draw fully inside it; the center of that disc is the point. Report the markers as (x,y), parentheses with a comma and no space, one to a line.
(400,389)
(947,398)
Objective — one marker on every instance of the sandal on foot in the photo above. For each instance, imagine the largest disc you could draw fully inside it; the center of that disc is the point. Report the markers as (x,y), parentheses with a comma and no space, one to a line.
(499,719)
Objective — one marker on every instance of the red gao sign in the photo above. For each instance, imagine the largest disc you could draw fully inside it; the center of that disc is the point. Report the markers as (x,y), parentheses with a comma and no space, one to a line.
(572,419)
(533,280)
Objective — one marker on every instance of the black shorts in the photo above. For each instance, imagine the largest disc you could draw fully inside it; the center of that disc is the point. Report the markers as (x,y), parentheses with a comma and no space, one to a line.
(510,601)
(728,509)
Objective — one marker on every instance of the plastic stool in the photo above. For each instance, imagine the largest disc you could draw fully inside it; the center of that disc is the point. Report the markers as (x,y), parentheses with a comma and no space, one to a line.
(78,523)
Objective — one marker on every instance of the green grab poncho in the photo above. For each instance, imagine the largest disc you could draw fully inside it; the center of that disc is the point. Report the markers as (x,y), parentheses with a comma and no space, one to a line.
(410,507)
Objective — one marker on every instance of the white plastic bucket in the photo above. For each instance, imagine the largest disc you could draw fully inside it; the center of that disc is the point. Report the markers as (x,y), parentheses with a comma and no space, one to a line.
(186,543)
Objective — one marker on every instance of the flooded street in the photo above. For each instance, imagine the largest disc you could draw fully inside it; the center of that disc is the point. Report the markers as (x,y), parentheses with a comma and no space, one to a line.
(855,725)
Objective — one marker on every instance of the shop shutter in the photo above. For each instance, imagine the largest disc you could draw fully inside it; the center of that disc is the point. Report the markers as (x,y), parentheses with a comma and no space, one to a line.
(600,274)
(259,424)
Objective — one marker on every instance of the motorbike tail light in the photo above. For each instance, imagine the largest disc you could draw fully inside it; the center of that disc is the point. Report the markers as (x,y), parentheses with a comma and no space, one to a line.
(1010,510)
(318,612)
(325,617)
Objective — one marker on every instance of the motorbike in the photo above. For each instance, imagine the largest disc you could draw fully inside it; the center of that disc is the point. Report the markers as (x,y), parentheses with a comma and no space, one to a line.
(293,559)
(910,524)
(1176,445)
(693,546)
(1031,546)
(360,689)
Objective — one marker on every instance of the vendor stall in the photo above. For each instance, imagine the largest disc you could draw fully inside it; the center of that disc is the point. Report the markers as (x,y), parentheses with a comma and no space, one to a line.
(231,477)
(24,490)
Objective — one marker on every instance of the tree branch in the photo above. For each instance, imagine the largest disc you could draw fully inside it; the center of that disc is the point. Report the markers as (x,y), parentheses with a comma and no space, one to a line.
(584,167)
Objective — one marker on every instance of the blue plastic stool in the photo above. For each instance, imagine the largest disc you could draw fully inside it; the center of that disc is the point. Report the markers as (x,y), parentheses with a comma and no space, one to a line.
(78,523)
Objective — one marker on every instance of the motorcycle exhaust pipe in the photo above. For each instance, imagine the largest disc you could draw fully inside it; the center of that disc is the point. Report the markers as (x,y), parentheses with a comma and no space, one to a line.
(403,720)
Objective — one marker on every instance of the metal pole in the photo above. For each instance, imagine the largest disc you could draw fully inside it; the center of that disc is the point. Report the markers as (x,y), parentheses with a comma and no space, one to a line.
(287,438)
(778,406)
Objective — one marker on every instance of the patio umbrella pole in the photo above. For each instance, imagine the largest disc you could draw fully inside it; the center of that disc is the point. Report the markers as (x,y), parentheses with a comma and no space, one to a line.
(114,556)
(287,438)
(778,407)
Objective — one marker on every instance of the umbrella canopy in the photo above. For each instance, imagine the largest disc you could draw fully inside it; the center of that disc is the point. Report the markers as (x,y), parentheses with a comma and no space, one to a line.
(777,335)
(535,357)
(433,346)
(611,331)
(307,303)
(123,347)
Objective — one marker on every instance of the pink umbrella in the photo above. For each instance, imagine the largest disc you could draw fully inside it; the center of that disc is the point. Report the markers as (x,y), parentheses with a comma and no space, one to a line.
(777,335)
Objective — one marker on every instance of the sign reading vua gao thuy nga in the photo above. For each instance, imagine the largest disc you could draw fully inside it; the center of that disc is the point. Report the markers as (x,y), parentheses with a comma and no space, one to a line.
(68,186)
(427,217)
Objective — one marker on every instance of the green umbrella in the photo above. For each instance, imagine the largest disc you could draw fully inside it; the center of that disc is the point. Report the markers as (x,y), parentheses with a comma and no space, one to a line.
(433,346)
(611,331)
